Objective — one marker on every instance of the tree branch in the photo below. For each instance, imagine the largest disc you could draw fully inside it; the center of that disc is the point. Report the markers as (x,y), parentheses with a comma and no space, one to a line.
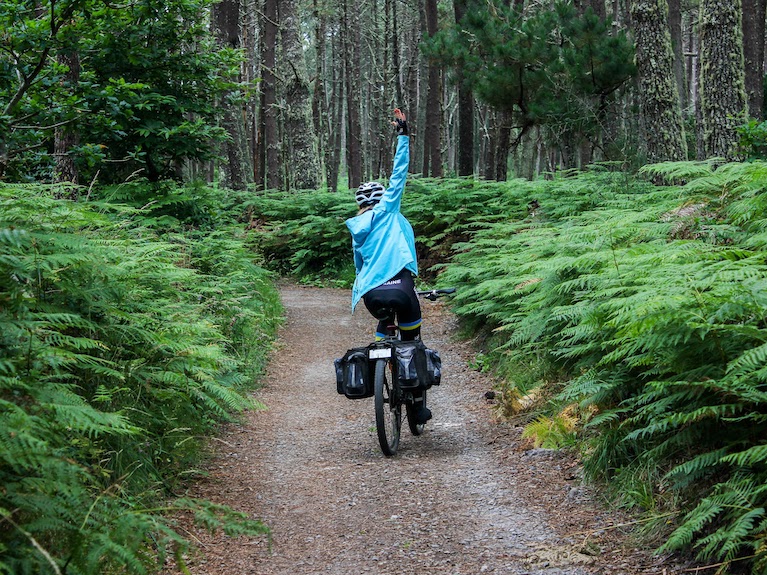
(51,127)
(29,79)
(17,151)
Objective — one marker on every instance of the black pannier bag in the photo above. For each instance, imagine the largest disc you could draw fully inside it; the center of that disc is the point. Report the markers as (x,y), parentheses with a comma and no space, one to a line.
(353,375)
(418,367)
(433,367)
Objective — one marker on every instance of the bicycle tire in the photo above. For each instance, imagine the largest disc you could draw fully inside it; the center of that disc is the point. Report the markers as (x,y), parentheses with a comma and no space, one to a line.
(388,409)
(412,412)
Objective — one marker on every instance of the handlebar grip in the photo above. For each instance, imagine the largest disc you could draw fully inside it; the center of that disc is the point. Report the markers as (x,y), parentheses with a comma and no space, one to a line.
(435,293)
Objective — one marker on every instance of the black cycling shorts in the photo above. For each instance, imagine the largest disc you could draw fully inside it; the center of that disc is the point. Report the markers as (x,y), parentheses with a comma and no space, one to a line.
(398,295)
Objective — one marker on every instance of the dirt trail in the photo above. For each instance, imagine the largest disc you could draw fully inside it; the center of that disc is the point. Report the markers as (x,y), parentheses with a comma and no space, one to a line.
(465,498)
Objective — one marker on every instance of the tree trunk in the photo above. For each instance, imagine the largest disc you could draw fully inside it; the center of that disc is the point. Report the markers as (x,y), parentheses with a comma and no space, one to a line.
(334,153)
(753,46)
(465,111)
(351,40)
(225,19)
(504,146)
(722,77)
(66,138)
(677,47)
(304,170)
(660,98)
(691,63)
(432,161)
(250,45)
(335,106)
(695,89)
(490,143)
(269,111)
(598,6)
(320,112)
(395,48)
(419,88)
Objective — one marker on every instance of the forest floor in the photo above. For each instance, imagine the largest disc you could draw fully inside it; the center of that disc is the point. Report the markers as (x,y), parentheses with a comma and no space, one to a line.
(469,496)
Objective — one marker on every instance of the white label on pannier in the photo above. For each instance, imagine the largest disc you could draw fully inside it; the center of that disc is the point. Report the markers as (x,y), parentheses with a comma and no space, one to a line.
(379,353)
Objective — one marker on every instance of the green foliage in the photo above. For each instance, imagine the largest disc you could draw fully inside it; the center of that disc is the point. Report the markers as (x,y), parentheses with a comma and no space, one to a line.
(638,298)
(306,239)
(144,95)
(120,351)
(753,139)
(554,432)
(650,301)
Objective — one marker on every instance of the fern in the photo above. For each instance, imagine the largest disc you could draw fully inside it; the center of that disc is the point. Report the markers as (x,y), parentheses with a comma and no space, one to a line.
(116,358)
(649,300)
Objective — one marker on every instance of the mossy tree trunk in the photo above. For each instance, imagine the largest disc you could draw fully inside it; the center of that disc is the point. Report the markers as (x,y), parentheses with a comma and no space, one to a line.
(722,76)
(301,140)
(320,109)
(660,103)
(677,45)
(753,46)
(351,40)
(66,139)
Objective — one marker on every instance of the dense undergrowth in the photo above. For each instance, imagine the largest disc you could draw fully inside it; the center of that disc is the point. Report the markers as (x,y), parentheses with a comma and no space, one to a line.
(126,336)
(628,313)
(308,240)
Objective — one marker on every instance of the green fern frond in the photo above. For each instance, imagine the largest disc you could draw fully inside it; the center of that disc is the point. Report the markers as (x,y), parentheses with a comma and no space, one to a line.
(680,171)
(753,456)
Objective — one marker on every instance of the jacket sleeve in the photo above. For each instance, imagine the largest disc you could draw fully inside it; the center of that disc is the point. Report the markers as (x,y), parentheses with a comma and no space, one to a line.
(393,196)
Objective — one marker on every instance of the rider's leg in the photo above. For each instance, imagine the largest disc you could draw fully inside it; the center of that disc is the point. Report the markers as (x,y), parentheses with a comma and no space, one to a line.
(409,311)
(397,294)
(383,327)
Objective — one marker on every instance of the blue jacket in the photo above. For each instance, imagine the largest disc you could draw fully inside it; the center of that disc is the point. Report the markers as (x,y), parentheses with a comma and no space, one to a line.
(382,238)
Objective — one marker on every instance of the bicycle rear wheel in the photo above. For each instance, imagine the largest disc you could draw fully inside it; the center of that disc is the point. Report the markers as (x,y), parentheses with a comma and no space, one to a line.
(412,412)
(388,409)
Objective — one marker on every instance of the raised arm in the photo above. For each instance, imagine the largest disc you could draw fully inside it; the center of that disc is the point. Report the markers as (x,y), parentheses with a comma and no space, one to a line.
(393,196)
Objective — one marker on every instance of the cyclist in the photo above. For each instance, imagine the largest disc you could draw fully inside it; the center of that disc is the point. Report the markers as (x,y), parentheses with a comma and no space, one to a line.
(384,250)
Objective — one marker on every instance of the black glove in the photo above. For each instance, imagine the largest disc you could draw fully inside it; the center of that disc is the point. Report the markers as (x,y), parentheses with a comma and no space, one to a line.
(401,127)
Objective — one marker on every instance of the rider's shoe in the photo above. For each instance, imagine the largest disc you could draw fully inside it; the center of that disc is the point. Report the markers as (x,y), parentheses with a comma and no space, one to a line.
(423,415)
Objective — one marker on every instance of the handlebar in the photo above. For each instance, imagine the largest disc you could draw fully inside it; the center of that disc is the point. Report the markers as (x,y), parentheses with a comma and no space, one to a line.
(436,293)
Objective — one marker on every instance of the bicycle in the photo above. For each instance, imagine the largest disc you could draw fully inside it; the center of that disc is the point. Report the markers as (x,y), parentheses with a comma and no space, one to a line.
(389,392)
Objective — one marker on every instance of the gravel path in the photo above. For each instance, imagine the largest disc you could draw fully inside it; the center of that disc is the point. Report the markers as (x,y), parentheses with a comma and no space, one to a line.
(467,497)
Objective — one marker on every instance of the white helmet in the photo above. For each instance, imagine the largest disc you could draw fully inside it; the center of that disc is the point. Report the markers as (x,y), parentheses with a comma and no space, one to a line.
(369,193)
